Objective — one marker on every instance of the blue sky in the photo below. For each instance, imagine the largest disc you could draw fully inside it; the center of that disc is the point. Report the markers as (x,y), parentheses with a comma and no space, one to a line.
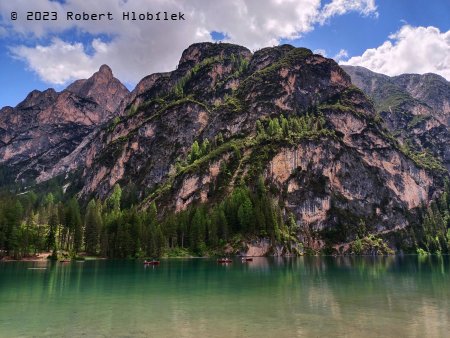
(395,30)
(356,33)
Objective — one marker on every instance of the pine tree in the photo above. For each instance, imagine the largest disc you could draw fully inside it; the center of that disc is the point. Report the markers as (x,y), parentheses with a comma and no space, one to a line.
(198,229)
(205,147)
(114,201)
(246,215)
(51,235)
(159,241)
(260,128)
(195,152)
(222,224)
(73,219)
(93,224)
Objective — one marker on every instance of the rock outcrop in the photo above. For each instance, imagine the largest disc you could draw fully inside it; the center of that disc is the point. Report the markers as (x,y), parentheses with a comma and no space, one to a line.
(48,126)
(415,108)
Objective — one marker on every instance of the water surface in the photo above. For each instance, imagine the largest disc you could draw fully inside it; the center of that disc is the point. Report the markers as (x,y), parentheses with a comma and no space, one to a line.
(269,297)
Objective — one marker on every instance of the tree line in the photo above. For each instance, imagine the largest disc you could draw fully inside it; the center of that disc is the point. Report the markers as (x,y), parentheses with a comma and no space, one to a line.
(117,228)
(432,235)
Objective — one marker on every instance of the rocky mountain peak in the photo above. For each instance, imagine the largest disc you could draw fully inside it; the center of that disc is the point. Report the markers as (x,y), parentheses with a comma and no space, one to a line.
(102,88)
(106,71)
(36,97)
(47,126)
(265,56)
(198,52)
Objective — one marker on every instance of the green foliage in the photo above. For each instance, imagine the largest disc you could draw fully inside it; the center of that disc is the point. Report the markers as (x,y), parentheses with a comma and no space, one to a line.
(292,129)
(179,87)
(113,202)
(74,224)
(372,245)
(204,227)
(132,110)
(113,124)
(416,120)
(432,233)
(357,246)
(265,76)
(93,225)
(423,158)
(231,104)
(240,64)
(53,224)
(422,252)
(394,101)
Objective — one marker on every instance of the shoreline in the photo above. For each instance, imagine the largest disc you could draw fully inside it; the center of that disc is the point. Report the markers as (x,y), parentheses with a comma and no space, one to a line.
(43,257)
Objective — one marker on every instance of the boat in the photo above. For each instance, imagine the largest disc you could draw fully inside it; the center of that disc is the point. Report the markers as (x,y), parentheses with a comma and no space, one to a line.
(64,260)
(152,262)
(247,259)
(224,260)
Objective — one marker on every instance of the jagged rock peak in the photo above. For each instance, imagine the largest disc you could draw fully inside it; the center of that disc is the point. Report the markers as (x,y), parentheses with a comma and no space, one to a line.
(197,52)
(103,76)
(269,55)
(36,96)
(105,70)
(102,87)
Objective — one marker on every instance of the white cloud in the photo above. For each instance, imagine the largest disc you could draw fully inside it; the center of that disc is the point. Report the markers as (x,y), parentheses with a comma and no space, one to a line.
(322,52)
(140,48)
(341,55)
(340,7)
(60,62)
(410,50)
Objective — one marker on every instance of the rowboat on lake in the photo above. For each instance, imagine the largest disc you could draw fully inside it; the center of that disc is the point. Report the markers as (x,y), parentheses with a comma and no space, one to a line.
(224,260)
(152,262)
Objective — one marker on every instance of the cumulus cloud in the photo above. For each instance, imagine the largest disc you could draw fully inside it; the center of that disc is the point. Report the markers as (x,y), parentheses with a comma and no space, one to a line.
(341,55)
(60,62)
(410,50)
(136,49)
(340,7)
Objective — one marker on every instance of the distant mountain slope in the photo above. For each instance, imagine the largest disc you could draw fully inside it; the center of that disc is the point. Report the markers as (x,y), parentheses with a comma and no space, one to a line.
(415,107)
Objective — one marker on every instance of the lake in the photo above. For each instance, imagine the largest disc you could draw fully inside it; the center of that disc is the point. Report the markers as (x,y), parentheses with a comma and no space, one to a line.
(405,296)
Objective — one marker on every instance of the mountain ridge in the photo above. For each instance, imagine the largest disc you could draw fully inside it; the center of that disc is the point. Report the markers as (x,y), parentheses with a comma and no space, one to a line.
(282,127)
(48,125)
(414,107)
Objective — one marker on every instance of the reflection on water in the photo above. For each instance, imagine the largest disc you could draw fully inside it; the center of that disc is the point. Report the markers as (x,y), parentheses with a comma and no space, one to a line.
(283,297)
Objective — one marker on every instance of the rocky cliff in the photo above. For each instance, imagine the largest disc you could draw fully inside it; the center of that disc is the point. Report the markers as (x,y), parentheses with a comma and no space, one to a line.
(415,108)
(227,118)
(47,126)
(330,163)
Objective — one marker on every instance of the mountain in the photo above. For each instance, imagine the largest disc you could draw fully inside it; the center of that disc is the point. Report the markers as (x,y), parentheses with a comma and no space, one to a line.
(47,126)
(283,114)
(278,146)
(415,108)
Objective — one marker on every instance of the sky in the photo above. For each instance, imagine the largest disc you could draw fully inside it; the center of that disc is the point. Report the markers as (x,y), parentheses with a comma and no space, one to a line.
(387,36)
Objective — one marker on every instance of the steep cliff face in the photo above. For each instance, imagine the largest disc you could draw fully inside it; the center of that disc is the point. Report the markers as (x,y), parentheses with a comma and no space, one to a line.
(283,114)
(227,118)
(415,108)
(47,126)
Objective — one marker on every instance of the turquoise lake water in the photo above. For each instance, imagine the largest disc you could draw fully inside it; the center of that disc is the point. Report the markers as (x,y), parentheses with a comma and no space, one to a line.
(269,297)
